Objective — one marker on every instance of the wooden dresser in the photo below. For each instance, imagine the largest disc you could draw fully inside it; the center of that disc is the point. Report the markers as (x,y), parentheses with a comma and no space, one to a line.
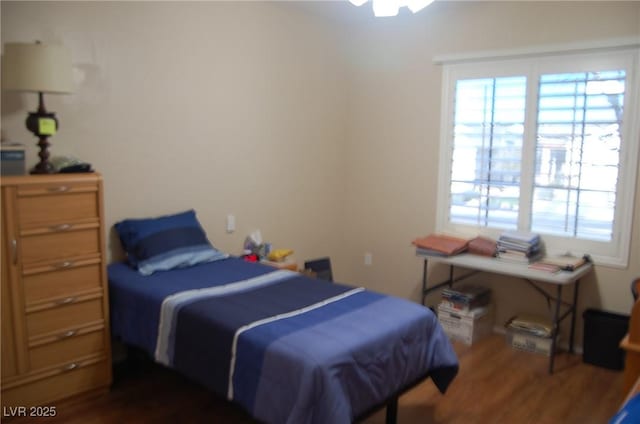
(55,310)
(631,344)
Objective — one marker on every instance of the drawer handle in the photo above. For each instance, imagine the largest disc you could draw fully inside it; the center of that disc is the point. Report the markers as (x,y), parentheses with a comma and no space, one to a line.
(65,264)
(59,189)
(66,301)
(14,251)
(61,227)
(72,366)
(68,334)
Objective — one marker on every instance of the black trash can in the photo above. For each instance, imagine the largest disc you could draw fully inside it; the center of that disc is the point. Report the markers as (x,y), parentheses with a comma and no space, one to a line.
(603,332)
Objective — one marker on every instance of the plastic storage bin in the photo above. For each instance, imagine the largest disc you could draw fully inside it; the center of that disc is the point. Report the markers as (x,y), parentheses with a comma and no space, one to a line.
(603,332)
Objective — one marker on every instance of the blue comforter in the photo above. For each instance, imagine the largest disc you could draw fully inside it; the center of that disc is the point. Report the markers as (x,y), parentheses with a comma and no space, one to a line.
(286,347)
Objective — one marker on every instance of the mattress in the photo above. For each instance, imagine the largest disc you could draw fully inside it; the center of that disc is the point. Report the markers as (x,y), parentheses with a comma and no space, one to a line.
(286,347)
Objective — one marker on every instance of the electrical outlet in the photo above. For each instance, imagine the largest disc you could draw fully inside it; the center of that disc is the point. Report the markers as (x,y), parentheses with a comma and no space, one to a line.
(368,259)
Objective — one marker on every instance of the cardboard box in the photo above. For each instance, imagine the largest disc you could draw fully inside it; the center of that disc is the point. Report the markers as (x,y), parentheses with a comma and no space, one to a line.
(529,342)
(466,326)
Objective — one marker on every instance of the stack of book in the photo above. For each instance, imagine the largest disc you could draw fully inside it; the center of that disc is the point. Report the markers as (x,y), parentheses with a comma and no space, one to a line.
(465,297)
(519,247)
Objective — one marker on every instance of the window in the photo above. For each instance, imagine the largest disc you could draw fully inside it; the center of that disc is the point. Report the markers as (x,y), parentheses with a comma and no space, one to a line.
(547,144)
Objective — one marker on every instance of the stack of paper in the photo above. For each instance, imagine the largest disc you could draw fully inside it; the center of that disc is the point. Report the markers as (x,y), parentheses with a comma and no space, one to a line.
(565,262)
(519,247)
(529,324)
(440,245)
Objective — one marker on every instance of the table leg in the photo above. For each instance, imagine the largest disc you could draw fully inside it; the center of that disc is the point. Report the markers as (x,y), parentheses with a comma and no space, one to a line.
(424,281)
(448,282)
(576,286)
(450,275)
(392,411)
(556,328)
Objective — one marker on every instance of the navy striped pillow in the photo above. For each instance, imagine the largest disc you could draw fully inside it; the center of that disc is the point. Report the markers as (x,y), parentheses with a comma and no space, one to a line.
(167,242)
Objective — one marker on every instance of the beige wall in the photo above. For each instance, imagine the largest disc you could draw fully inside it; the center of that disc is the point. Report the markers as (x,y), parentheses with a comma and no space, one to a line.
(227,108)
(311,121)
(393,149)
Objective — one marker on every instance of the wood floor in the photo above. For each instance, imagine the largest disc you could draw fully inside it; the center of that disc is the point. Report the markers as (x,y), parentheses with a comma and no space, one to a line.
(495,385)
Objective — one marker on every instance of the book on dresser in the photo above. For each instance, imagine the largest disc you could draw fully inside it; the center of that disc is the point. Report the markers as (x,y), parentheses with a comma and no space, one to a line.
(55,316)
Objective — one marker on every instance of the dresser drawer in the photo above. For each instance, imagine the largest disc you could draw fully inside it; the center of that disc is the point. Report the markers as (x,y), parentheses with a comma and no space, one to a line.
(63,317)
(57,246)
(67,347)
(63,282)
(57,203)
(71,379)
(55,317)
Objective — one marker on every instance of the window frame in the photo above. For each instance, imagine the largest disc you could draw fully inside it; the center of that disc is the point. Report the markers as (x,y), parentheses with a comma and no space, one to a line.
(614,253)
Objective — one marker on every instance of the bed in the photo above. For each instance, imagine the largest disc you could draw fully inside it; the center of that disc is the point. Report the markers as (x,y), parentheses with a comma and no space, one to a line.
(286,347)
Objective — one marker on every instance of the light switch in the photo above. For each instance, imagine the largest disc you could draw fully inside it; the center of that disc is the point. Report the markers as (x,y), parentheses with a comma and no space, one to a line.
(231,223)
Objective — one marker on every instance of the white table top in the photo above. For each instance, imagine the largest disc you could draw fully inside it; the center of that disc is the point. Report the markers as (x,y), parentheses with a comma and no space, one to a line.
(496,266)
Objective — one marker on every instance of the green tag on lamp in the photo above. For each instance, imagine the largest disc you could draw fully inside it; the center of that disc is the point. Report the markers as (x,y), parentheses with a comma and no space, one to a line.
(46,126)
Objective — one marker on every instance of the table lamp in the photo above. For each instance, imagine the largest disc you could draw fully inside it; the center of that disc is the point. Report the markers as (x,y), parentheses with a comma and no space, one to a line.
(38,68)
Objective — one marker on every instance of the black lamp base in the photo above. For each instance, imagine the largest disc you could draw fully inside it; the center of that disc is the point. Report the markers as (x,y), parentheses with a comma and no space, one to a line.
(34,125)
(44,166)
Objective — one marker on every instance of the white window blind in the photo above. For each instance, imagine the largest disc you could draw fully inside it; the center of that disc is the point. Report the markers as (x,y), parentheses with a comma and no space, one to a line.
(487,148)
(547,144)
(578,153)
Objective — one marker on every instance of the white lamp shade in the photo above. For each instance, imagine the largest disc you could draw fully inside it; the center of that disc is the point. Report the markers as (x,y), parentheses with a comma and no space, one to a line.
(37,67)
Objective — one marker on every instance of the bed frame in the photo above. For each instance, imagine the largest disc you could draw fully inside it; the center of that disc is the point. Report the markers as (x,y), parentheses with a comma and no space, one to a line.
(391,405)
(134,356)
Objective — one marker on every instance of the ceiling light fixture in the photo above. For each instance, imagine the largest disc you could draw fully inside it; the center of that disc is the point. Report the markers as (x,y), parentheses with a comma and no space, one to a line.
(384,8)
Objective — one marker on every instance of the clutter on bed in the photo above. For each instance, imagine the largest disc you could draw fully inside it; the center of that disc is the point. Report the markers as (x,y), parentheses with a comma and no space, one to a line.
(256,250)
(279,255)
